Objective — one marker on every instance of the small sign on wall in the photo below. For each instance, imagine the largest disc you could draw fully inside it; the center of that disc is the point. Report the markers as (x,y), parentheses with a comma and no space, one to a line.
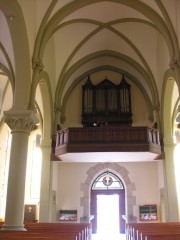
(68,215)
(30,213)
(148,212)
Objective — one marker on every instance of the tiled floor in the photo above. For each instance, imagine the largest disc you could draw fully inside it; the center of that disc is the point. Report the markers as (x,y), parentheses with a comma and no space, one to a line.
(108,237)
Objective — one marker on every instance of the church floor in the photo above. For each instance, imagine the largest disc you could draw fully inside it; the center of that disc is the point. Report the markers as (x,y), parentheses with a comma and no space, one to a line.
(108,237)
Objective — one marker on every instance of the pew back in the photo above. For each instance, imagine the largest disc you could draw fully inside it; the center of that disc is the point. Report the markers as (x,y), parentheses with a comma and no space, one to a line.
(50,231)
(152,231)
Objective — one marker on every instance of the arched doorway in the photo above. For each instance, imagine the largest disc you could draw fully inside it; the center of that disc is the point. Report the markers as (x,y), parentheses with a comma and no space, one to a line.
(92,173)
(108,203)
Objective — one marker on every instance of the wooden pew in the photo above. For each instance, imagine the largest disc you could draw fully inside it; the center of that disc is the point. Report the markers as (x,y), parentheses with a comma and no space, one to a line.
(50,231)
(8,235)
(163,237)
(132,229)
(146,231)
(159,233)
(83,228)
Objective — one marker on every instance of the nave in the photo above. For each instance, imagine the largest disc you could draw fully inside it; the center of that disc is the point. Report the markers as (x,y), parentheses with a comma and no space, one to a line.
(49,50)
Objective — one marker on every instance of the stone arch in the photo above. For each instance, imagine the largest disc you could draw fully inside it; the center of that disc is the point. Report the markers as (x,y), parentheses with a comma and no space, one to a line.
(62,98)
(122,173)
(16,27)
(169,105)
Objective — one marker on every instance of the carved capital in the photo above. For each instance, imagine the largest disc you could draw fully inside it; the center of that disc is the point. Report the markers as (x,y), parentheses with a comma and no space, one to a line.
(37,64)
(57,108)
(175,63)
(21,121)
(156,107)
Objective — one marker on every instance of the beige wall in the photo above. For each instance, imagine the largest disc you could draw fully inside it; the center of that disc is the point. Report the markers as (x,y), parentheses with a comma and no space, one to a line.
(71,175)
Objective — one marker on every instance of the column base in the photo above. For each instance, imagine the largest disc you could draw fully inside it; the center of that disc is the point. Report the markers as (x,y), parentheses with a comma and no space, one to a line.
(12,228)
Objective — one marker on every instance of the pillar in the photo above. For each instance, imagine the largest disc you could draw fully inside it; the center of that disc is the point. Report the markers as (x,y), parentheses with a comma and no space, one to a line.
(21,124)
(172,212)
(45,194)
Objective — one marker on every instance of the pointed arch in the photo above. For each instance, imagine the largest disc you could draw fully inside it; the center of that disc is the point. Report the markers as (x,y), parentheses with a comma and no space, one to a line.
(17,27)
(167,104)
(47,104)
(122,173)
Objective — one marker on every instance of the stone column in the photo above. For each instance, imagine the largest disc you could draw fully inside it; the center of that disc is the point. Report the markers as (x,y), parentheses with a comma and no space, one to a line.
(21,124)
(46,180)
(172,213)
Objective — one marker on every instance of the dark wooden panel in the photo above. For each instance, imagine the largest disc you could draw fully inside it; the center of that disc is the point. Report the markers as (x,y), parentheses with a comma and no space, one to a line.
(108,139)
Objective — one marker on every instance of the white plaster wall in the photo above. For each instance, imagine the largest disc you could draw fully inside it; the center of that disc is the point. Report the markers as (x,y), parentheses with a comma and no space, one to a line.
(71,175)
(161,173)
(146,180)
(55,175)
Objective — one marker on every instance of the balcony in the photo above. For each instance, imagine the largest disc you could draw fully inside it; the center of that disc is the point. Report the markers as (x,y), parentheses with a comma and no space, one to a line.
(107,139)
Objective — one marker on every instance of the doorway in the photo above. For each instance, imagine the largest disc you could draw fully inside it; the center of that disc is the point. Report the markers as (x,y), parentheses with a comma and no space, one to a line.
(106,214)
(107,204)
(107,207)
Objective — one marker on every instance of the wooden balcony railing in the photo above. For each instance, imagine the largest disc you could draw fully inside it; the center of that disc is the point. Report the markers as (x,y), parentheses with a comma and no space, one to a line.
(107,139)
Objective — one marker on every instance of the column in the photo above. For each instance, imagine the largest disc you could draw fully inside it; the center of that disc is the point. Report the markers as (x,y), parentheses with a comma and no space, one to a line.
(45,194)
(172,213)
(21,124)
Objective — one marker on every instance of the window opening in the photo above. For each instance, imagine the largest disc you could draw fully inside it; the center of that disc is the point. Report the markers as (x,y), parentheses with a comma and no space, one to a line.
(107,181)
(36,168)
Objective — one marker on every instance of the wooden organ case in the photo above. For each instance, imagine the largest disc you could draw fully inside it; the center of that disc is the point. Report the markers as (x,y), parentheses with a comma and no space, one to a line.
(106,103)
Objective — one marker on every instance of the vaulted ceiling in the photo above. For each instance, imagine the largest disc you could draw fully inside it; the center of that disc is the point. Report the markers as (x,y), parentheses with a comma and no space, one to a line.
(60,42)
